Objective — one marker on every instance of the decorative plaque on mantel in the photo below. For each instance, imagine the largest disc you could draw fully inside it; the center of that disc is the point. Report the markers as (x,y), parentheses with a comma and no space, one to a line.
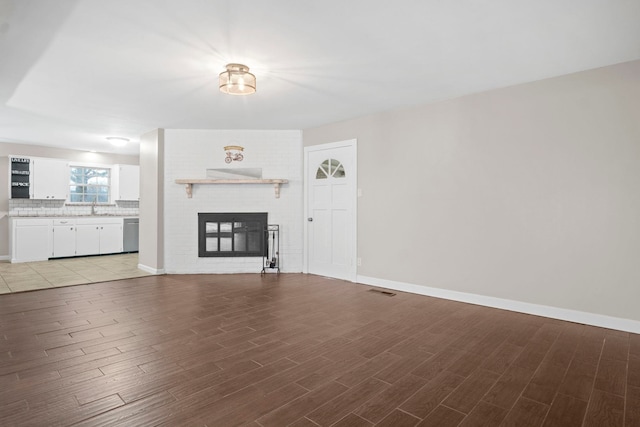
(235,173)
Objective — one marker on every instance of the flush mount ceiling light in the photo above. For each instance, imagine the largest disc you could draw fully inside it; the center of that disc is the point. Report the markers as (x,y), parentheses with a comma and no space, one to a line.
(237,80)
(118,141)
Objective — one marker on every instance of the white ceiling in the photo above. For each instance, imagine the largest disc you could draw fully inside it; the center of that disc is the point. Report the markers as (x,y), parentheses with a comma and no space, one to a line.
(73,72)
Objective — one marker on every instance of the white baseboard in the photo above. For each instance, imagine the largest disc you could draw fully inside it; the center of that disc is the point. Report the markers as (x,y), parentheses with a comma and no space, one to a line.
(150,270)
(4,257)
(226,271)
(576,316)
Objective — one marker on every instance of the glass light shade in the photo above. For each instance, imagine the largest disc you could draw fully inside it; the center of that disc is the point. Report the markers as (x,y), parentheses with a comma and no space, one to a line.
(237,80)
(118,141)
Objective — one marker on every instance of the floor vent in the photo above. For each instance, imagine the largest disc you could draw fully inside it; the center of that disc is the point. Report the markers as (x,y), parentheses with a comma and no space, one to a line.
(380,291)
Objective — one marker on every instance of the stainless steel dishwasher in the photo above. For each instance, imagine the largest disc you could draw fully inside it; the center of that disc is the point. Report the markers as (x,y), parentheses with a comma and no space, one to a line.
(130,232)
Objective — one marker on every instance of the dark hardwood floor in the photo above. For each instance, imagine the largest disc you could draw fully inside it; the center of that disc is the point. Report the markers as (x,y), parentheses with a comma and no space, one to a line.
(300,350)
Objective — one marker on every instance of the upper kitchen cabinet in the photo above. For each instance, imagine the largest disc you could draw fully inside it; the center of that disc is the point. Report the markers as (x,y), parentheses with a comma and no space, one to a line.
(50,178)
(20,178)
(38,178)
(127,182)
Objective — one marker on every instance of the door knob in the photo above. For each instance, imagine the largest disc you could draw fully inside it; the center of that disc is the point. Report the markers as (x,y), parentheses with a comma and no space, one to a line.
(310,219)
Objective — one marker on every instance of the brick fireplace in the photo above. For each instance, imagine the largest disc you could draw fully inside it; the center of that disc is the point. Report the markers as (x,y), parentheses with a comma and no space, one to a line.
(191,153)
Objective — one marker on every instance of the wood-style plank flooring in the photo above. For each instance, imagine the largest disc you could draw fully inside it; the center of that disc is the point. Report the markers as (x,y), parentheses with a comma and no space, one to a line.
(300,350)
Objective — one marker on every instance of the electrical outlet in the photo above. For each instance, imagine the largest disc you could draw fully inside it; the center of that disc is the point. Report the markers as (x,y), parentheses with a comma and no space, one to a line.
(359,262)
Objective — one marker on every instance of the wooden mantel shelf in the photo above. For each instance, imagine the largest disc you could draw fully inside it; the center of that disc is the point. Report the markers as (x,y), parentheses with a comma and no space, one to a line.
(188,183)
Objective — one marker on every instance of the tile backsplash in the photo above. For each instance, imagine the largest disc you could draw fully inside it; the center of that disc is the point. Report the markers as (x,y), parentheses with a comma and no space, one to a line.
(29,207)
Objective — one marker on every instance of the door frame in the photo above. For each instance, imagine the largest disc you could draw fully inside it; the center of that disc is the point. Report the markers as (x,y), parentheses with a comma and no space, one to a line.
(354,200)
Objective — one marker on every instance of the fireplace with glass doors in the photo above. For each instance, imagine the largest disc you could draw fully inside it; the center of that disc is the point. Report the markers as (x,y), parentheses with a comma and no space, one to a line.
(232,234)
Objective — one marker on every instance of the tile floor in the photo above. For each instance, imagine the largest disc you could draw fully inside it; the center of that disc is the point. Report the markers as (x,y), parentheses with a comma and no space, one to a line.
(30,276)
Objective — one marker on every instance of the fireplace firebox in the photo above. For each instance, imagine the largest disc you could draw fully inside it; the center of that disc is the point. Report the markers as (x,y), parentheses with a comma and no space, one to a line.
(232,234)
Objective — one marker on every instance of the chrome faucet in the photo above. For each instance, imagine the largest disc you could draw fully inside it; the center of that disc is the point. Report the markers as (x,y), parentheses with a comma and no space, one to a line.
(93,208)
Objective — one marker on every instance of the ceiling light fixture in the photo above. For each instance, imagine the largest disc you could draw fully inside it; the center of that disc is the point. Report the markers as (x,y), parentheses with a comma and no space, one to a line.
(118,141)
(237,80)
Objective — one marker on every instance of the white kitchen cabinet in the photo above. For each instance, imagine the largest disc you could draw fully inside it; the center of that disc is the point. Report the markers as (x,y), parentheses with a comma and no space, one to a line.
(30,240)
(96,236)
(50,178)
(38,239)
(63,238)
(126,182)
(87,239)
(111,238)
(20,178)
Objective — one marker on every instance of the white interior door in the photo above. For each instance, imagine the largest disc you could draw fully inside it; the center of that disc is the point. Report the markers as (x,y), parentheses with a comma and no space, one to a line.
(331,210)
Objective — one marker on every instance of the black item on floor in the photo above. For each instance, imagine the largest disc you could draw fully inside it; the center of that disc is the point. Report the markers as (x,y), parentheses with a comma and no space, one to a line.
(271,261)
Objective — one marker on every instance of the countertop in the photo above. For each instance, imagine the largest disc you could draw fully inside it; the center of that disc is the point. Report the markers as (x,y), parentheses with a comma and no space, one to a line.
(74,216)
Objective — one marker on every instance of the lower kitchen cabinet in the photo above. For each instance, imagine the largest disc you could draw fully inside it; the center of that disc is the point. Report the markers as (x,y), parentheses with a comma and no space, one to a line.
(87,239)
(63,238)
(111,238)
(97,236)
(40,239)
(29,240)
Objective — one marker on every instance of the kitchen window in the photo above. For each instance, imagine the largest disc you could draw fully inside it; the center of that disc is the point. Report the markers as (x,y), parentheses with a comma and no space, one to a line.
(89,184)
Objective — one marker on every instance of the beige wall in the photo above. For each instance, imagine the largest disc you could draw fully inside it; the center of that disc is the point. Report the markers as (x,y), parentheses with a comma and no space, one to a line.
(151,250)
(7,149)
(528,193)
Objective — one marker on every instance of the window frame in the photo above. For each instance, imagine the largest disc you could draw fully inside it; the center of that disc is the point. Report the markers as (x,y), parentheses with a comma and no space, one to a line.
(328,169)
(85,166)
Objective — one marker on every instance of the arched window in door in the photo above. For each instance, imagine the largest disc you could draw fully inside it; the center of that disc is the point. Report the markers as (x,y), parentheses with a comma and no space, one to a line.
(330,168)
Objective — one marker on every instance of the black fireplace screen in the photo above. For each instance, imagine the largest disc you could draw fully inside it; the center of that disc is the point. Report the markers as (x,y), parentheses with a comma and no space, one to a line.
(232,234)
